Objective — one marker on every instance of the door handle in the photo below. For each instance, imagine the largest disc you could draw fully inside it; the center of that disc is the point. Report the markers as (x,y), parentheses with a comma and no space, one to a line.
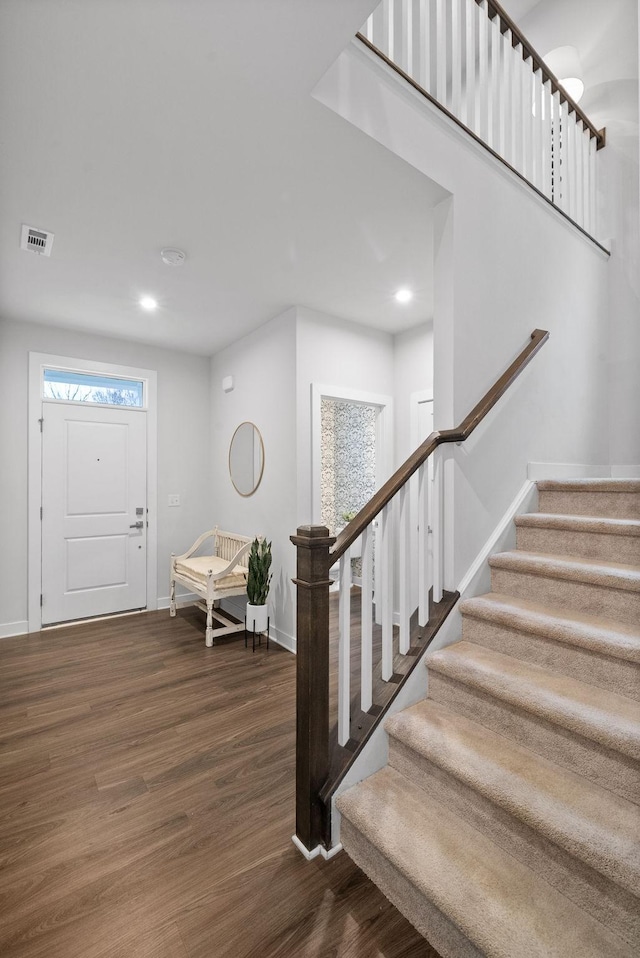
(137,525)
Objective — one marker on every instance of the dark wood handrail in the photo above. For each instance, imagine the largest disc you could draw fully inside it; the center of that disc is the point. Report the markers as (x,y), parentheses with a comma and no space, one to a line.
(506,23)
(385,494)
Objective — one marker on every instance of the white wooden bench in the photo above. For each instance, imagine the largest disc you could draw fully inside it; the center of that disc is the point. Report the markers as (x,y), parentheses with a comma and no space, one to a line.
(213,577)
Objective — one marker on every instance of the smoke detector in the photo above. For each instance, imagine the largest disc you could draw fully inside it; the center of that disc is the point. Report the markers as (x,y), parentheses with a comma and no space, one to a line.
(172,257)
(38,241)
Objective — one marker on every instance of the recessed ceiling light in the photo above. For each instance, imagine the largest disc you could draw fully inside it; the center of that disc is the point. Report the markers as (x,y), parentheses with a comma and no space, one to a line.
(404,295)
(148,302)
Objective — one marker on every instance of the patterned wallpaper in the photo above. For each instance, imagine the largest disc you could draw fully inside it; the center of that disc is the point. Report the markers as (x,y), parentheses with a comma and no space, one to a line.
(348,451)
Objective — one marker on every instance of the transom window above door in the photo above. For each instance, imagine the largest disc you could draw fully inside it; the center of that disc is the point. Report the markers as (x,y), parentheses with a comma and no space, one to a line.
(69,385)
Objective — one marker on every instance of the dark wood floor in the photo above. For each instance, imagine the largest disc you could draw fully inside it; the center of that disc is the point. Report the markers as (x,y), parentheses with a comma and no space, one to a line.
(146,805)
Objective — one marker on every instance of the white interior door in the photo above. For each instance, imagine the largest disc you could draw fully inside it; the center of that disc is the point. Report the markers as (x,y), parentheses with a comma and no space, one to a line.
(94,511)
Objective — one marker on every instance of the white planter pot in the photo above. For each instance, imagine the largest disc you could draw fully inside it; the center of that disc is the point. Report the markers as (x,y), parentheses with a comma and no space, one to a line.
(257,617)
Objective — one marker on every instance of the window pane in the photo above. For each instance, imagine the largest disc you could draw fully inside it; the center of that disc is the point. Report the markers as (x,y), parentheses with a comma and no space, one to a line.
(88,387)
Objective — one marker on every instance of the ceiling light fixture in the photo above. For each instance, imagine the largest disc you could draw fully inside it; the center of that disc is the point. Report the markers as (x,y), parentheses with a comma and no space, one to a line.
(172,256)
(404,295)
(566,64)
(148,303)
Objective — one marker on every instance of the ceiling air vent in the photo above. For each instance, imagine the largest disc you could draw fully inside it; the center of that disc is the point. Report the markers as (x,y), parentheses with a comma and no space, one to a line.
(38,241)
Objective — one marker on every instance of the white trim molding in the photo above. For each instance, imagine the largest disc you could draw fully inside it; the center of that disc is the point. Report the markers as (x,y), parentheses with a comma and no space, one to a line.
(37,361)
(581,470)
(9,629)
(327,854)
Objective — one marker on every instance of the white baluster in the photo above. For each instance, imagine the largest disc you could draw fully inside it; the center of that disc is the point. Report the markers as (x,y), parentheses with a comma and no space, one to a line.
(366,599)
(538,123)
(387,28)
(506,99)
(344,650)
(424,44)
(469,113)
(593,148)
(441,52)
(377,570)
(571,164)
(368,29)
(517,134)
(404,569)
(558,171)
(547,144)
(527,117)
(456,56)
(383,556)
(406,36)
(424,566)
(437,522)
(580,180)
(482,123)
(494,84)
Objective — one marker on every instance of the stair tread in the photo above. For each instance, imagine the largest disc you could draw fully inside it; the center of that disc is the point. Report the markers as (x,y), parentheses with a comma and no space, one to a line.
(504,909)
(590,822)
(589,485)
(616,575)
(570,523)
(602,716)
(606,636)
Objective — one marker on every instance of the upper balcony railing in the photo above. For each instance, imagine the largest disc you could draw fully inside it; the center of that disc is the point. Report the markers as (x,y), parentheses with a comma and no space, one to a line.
(471,60)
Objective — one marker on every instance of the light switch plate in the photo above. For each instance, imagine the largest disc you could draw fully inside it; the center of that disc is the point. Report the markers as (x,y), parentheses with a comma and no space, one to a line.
(174,500)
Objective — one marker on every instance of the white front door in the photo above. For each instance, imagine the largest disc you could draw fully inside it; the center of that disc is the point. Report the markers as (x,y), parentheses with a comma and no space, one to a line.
(94,511)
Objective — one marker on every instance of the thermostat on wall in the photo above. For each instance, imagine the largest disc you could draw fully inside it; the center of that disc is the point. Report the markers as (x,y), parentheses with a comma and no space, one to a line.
(227,384)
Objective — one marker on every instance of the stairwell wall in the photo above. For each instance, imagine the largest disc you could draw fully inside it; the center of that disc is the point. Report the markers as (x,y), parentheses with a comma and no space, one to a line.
(512,264)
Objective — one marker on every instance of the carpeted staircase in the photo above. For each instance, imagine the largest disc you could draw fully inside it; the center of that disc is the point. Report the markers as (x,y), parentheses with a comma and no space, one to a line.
(507,822)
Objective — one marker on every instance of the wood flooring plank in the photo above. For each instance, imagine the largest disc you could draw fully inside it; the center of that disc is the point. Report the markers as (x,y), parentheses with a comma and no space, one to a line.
(147,805)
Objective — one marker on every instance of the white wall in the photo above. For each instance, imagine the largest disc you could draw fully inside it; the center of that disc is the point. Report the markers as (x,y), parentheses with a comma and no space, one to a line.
(334,352)
(263,366)
(413,372)
(514,265)
(183,451)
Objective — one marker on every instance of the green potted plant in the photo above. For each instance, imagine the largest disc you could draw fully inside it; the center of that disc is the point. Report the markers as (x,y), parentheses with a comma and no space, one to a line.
(258,582)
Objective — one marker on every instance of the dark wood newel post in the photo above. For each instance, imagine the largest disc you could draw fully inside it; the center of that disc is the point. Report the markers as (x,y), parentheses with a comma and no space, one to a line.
(312,677)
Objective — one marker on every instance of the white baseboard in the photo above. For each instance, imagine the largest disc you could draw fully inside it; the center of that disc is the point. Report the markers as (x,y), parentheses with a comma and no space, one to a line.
(477,577)
(8,629)
(235,607)
(327,854)
(580,470)
(185,598)
(567,470)
(625,472)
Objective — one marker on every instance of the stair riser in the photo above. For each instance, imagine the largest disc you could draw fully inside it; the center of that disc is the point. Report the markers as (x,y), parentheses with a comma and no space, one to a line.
(585,545)
(602,765)
(564,594)
(606,900)
(605,672)
(607,505)
(441,933)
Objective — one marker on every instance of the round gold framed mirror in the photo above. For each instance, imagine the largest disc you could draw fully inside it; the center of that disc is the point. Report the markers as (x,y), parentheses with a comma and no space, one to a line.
(246,458)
